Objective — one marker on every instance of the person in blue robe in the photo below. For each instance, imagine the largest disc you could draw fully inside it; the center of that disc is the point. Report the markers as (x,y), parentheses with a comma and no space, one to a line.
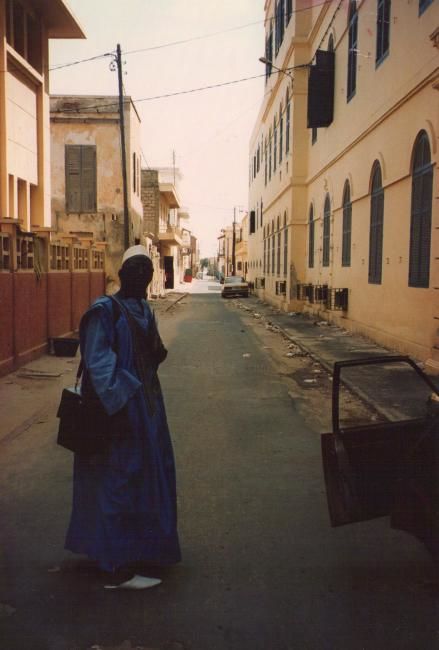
(124,499)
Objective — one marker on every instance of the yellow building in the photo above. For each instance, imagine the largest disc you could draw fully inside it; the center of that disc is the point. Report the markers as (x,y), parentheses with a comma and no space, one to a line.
(25,30)
(343,222)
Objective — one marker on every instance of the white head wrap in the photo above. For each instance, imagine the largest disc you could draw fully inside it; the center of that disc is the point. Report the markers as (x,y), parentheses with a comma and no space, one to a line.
(135,250)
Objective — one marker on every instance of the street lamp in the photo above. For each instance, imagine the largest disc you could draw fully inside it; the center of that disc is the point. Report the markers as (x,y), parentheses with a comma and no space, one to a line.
(285,71)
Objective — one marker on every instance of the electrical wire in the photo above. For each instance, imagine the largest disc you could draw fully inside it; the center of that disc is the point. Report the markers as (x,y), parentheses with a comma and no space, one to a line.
(92,58)
(186,40)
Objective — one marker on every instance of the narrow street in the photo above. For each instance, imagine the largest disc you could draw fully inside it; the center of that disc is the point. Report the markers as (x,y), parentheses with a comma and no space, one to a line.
(261,570)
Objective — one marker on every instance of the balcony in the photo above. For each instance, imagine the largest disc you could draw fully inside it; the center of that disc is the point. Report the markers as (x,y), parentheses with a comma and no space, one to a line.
(171,236)
(168,191)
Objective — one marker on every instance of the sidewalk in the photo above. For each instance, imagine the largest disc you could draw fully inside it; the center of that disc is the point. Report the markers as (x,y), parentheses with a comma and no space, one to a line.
(394,390)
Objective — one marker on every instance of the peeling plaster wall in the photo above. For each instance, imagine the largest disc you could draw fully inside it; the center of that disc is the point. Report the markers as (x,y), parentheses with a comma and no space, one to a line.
(101,130)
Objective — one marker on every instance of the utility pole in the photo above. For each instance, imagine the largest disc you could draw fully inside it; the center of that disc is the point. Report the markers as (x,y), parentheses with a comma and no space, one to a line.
(234,243)
(126,222)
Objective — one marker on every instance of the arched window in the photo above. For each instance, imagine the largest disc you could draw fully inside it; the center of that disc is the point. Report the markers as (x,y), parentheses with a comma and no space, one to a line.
(274,144)
(326,231)
(266,161)
(285,218)
(347,226)
(277,223)
(311,238)
(376,226)
(352,49)
(420,223)
(331,43)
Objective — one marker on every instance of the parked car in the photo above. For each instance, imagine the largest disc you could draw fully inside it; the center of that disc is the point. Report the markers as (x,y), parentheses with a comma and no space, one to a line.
(234,286)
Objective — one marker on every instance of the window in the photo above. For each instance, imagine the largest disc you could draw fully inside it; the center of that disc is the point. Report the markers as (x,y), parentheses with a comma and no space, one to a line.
(269,52)
(285,251)
(278,253)
(288,11)
(279,23)
(326,231)
(252,222)
(347,226)
(311,238)
(265,252)
(258,161)
(266,161)
(352,51)
(80,164)
(269,157)
(23,32)
(420,223)
(273,253)
(376,226)
(262,207)
(134,173)
(383,29)
(268,255)
(423,4)
(274,145)
(281,134)
(287,126)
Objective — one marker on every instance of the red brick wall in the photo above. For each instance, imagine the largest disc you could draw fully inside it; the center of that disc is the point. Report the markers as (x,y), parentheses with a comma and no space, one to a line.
(30,314)
(6,322)
(59,303)
(32,310)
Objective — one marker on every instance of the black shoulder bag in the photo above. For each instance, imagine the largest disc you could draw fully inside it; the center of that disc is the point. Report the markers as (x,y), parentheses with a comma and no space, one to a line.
(84,425)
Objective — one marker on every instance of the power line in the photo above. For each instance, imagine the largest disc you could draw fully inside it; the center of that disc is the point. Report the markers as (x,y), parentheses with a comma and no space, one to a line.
(186,40)
(92,58)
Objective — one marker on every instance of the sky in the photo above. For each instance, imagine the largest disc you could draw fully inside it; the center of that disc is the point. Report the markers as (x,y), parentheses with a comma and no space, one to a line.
(209,130)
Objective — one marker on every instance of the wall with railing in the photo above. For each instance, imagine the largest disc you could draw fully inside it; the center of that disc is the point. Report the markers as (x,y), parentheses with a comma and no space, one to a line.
(44,289)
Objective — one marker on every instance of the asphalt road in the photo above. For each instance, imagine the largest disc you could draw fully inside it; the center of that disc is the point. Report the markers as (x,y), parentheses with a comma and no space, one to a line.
(261,570)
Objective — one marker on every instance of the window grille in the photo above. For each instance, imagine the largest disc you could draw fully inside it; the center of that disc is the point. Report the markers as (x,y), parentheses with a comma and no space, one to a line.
(337,299)
(383,30)
(311,238)
(326,231)
(376,227)
(97,259)
(281,288)
(59,257)
(320,293)
(421,208)
(25,252)
(80,258)
(305,292)
(347,227)
(352,51)
(80,169)
(5,252)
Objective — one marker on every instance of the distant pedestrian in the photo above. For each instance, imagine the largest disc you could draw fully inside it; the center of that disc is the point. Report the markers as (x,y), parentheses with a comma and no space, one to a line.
(124,500)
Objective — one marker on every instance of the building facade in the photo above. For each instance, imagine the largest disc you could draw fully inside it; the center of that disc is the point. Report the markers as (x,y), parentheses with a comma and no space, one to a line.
(343,158)
(42,284)
(87,185)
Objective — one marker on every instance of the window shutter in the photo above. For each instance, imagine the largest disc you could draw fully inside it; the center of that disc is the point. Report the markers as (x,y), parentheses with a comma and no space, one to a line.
(73,178)
(88,178)
(321,90)
(420,231)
